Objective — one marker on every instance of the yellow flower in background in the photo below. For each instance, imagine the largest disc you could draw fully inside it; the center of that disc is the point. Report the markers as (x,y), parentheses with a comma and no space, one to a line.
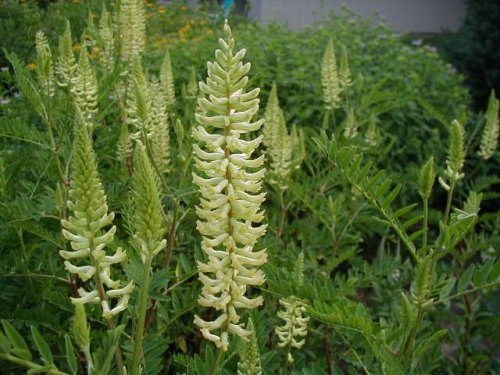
(77,47)
(161,9)
(31,66)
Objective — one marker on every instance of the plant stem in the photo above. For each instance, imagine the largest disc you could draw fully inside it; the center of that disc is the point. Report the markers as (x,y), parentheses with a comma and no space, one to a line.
(218,358)
(426,222)
(407,352)
(30,365)
(143,305)
(448,203)
(283,211)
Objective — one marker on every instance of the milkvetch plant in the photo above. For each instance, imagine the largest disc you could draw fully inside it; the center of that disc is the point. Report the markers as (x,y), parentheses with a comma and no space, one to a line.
(229,180)
(489,140)
(84,229)
(389,283)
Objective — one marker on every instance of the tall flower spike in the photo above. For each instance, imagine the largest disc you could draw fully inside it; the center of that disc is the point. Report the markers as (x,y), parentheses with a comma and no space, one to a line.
(158,123)
(330,78)
(456,156)
(132,28)
(351,125)
(277,141)
(107,56)
(66,62)
(84,89)
(124,144)
(271,119)
(298,146)
(192,86)
(138,103)
(292,333)
(489,140)
(85,229)
(344,71)
(280,154)
(229,183)
(44,66)
(167,79)
(147,213)
(249,363)
(372,134)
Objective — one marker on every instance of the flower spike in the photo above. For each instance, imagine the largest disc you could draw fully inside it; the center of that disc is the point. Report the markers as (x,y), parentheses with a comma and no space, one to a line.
(85,229)
(229,181)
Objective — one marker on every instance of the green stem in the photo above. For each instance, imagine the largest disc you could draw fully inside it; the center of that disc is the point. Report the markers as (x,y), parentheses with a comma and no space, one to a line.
(472,290)
(283,211)
(143,305)
(407,352)
(448,202)
(88,359)
(31,365)
(218,358)
(426,222)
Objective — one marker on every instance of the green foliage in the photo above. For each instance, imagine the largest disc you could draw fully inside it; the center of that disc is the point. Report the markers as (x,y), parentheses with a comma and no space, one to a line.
(384,271)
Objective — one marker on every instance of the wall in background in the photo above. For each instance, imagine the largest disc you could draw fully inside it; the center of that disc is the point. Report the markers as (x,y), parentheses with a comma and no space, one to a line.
(414,16)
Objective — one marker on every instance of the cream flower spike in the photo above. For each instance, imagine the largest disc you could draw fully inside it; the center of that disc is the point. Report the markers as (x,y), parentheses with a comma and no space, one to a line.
(107,57)
(280,154)
(138,103)
(66,63)
(84,88)
(158,123)
(132,28)
(167,79)
(250,363)
(489,140)
(292,334)
(330,79)
(85,229)
(44,65)
(229,182)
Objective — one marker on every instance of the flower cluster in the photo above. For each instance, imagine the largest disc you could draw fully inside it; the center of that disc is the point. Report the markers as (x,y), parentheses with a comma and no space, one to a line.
(229,211)
(44,66)
(132,28)
(489,140)
(167,79)
(278,143)
(292,333)
(85,229)
(333,79)
(107,56)
(250,363)
(456,156)
(84,88)
(66,63)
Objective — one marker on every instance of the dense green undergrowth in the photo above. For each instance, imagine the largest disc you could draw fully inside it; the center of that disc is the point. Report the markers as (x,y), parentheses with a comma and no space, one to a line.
(379,272)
